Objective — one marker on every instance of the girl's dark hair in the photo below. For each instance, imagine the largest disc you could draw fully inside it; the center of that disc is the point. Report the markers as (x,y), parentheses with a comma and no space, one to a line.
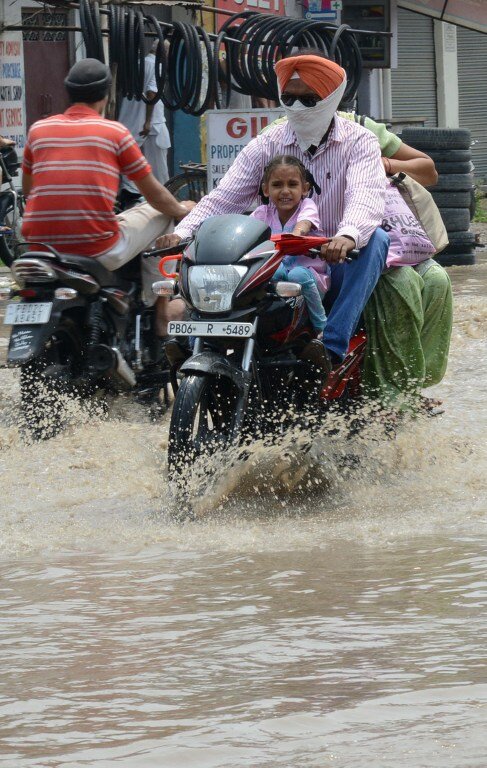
(284,160)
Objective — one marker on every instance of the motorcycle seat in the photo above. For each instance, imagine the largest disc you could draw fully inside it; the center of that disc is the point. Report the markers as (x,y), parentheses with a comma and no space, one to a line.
(102,275)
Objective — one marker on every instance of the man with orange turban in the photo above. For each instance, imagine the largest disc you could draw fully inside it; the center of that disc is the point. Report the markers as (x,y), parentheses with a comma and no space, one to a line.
(345,161)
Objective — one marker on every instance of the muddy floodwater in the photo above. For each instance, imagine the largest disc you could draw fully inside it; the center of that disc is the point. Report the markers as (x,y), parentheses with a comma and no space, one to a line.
(327,607)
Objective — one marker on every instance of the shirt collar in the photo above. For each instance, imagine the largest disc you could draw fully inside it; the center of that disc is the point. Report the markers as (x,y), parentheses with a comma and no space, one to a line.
(81,109)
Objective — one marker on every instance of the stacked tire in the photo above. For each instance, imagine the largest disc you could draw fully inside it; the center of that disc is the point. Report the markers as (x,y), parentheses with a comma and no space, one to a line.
(454,192)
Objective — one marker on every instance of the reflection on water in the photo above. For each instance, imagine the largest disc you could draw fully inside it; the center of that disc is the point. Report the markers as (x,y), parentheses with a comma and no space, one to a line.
(269,659)
(314,615)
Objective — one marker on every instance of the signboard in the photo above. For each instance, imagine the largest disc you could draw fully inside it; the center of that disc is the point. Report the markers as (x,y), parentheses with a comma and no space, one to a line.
(12,115)
(274,7)
(228,132)
(322,10)
(466,13)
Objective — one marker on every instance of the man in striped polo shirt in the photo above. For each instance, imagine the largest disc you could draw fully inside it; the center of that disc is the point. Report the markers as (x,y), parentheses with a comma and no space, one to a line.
(71,169)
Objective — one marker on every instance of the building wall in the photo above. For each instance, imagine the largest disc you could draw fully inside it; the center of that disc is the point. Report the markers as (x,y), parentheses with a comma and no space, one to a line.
(472,76)
(414,82)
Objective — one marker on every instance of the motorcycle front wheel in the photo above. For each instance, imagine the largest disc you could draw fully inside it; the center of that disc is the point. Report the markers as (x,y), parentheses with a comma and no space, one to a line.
(204,419)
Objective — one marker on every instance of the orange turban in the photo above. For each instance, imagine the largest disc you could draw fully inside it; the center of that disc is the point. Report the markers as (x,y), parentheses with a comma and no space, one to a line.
(321,75)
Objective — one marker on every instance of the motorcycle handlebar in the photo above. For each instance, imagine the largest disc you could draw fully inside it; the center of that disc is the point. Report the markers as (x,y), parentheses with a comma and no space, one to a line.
(173,250)
(351,255)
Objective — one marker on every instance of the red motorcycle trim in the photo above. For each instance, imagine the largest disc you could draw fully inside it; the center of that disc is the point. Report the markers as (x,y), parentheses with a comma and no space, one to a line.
(348,372)
(263,274)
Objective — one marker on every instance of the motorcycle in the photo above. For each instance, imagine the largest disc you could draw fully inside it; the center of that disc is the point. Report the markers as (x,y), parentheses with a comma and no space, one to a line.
(244,374)
(11,204)
(78,329)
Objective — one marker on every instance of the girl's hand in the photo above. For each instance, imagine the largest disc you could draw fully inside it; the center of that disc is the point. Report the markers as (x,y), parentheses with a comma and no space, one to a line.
(302,228)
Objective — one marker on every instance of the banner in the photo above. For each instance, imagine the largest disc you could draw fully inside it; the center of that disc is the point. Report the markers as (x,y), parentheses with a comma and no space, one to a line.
(274,7)
(228,132)
(12,114)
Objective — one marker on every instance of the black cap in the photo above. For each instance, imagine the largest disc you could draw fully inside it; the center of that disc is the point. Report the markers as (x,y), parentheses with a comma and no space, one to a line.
(88,80)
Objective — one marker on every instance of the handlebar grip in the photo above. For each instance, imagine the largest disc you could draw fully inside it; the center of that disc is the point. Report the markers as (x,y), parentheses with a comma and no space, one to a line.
(351,255)
(173,250)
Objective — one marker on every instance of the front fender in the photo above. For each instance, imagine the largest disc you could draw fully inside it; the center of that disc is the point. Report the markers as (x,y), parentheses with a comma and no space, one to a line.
(27,341)
(215,364)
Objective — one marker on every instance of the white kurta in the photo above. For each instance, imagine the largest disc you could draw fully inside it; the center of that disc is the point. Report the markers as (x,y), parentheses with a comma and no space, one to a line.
(157,142)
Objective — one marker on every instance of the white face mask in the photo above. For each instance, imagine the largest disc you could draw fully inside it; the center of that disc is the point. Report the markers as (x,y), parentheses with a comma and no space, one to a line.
(311,123)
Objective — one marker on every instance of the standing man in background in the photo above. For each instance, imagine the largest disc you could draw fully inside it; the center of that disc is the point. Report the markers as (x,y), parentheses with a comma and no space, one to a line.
(147,124)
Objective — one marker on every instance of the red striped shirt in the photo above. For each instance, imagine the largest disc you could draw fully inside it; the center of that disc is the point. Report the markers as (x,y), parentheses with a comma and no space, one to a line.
(75,160)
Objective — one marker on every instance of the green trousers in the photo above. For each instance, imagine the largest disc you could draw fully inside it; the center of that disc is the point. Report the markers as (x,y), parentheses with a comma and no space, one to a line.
(408,320)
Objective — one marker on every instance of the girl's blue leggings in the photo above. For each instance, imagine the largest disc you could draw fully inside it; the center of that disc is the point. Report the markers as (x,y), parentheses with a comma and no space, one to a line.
(312,294)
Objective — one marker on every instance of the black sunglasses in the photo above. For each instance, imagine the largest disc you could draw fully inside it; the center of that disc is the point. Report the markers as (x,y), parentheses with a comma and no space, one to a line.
(306,101)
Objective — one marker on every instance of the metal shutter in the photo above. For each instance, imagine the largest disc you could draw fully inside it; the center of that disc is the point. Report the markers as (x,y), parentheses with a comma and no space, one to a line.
(414,80)
(472,75)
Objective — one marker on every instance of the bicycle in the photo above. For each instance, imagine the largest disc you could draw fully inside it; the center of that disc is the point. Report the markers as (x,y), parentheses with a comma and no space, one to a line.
(11,206)
(191,184)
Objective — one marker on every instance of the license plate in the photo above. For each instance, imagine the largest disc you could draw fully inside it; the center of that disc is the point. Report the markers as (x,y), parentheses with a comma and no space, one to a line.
(200,328)
(28,314)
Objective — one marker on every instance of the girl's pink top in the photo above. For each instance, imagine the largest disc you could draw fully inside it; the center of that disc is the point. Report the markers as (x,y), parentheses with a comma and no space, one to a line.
(306,211)
(410,244)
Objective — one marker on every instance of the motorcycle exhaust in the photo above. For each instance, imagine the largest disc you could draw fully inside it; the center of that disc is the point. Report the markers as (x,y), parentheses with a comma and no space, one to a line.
(123,369)
(109,360)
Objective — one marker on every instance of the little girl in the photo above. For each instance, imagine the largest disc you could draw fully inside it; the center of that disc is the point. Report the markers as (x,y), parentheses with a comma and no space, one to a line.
(290,210)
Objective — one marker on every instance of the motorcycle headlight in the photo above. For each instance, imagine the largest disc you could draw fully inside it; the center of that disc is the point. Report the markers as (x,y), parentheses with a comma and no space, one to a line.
(211,288)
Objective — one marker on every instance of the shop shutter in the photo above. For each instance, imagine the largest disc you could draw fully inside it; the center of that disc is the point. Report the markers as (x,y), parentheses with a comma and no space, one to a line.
(472,75)
(414,80)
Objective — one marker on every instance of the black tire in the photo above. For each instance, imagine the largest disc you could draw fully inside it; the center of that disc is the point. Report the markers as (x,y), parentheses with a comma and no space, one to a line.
(453,182)
(473,203)
(451,249)
(199,401)
(462,239)
(452,200)
(456,259)
(448,167)
(450,155)
(11,218)
(44,380)
(437,138)
(455,219)
(460,242)
(188,186)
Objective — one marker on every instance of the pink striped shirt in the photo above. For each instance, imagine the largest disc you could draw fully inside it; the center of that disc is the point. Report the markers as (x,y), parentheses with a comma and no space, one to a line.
(348,168)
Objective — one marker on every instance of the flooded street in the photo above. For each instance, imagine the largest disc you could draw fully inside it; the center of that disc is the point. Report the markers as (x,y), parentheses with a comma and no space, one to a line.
(318,613)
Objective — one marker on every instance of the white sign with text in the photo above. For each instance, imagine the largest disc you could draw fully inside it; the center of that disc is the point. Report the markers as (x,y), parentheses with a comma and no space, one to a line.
(12,115)
(228,132)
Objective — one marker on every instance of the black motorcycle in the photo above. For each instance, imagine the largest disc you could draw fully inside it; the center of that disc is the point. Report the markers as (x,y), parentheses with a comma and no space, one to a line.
(243,376)
(11,204)
(78,328)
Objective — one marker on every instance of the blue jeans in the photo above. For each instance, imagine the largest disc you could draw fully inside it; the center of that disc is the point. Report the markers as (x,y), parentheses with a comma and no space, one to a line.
(313,296)
(351,287)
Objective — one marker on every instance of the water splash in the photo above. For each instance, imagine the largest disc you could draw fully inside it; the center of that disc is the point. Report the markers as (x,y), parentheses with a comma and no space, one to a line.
(103,483)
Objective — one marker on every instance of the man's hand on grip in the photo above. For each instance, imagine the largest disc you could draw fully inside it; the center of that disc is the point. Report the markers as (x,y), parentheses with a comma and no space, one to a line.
(168,241)
(337,248)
